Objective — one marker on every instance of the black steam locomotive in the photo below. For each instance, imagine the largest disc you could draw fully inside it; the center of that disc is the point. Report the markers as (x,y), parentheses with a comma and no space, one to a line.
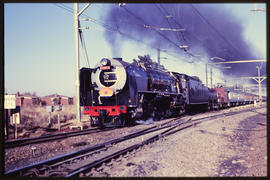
(116,92)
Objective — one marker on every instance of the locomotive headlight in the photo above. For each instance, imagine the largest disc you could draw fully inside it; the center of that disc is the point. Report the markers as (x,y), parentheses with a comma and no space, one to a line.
(104,62)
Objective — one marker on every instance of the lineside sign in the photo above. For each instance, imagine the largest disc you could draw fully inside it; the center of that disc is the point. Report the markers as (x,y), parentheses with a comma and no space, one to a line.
(10,102)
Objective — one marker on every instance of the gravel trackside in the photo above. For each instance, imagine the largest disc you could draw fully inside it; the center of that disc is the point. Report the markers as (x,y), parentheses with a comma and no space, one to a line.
(227,146)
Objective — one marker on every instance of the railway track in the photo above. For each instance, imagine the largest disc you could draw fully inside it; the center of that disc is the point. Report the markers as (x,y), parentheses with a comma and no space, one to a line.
(46,138)
(81,162)
(86,170)
(39,169)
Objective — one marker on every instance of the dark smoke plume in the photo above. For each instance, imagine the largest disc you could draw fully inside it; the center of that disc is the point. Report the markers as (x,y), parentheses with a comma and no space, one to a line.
(209,29)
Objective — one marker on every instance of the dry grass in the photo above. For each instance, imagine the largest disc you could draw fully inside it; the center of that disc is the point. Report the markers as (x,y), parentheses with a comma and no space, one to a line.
(38,116)
(34,120)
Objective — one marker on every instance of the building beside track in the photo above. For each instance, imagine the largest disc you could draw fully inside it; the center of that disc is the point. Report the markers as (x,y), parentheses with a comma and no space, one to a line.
(28,99)
(56,99)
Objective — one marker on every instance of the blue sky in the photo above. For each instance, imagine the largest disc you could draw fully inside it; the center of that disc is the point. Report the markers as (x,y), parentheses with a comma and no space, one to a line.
(40,50)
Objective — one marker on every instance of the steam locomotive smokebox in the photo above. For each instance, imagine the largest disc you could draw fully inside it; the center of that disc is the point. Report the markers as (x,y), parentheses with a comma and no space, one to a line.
(113,76)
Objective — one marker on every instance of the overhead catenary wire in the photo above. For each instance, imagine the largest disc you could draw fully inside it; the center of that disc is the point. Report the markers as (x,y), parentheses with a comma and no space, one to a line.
(182,33)
(172,29)
(144,24)
(162,8)
(180,25)
(64,7)
(111,29)
(128,35)
(117,30)
(147,25)
(163,14)
(210,25)
(87,18)
(187,33)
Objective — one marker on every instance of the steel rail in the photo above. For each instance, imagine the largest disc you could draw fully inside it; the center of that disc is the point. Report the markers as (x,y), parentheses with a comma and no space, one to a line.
(99,162)
(51,137)
(23,170)
(170,131)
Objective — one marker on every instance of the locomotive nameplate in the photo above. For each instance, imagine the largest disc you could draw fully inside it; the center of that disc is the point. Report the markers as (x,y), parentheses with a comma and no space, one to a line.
(105,67)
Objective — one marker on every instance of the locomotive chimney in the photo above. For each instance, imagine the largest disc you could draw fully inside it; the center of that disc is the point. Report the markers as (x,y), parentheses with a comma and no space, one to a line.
(120,59)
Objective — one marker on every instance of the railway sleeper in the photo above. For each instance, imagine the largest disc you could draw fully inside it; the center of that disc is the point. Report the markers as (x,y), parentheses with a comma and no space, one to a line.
(32,173)
(60,173)
(109,164)
(99,169)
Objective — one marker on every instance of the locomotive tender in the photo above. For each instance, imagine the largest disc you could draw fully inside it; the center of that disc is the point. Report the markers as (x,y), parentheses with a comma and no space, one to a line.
(116,92)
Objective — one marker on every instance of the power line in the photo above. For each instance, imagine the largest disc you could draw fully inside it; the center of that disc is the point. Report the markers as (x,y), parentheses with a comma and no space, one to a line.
(114,30)
(67,9)
(187,32)
(144,23)
(148,26)
(183,37)
(209,24)
(109,28)
(177,34)
(62,4)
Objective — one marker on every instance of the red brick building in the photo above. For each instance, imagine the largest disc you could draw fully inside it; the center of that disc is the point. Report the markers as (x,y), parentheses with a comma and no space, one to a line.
(56,99)
(27,100)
